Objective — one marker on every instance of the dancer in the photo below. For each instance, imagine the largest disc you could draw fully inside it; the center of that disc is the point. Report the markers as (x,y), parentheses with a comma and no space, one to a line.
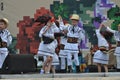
(5,40)
(100,56)
(74,37)
(117,49)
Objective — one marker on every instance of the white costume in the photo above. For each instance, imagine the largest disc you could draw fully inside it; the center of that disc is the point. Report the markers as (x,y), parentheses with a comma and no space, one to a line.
(72,48)
(63,40)
(99,56)
(49,49)
(117,49)
(6,37)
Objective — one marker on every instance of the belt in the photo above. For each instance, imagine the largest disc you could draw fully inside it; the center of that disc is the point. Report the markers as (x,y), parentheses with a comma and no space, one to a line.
(118,43)
(3,44)
(62,46)
(72,40)
(47,40)
(102,48)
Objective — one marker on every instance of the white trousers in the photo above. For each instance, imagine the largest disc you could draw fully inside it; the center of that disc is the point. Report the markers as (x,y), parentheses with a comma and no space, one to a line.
(69,59)
(3,55)
(63,62)
(118,62)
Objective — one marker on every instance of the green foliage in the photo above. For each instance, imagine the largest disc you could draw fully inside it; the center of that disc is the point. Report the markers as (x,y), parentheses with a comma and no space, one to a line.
(88,3)
(112,16)
(115,24)
(111,13)
(85,16)
(61,9)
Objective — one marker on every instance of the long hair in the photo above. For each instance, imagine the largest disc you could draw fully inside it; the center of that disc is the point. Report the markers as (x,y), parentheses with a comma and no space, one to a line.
(106,34)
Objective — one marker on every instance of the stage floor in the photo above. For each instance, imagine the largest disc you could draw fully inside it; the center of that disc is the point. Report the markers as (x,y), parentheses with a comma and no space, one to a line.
(64,76)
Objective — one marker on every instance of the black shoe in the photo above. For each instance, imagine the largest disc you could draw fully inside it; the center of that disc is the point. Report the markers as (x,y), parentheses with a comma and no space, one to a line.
(69,69)
(77,69)
(118,70)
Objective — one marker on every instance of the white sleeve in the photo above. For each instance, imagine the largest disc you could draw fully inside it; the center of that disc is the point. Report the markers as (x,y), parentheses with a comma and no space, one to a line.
(41,32)
(62,26)
(82,36)
(109,29)
(56,29)
(98,32)
(9,39)
(51,35)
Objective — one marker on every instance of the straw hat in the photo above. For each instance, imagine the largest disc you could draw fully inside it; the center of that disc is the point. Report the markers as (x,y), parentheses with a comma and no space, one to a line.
(5,20)
(75,17)
(67,24)
(118,24)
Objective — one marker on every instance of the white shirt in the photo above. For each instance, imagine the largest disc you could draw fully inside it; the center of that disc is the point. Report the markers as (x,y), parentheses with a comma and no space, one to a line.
(77,33)
(6,36)
(101,40)
(62,28)
(50,32)
(116,33)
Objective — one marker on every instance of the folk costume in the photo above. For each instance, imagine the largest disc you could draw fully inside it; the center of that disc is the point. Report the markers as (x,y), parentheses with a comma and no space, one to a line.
(5,41)
(74,37)
(117,49)
(99,56)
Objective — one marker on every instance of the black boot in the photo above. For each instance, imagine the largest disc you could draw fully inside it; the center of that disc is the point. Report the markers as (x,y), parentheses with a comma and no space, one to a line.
(77,69)
(69,69)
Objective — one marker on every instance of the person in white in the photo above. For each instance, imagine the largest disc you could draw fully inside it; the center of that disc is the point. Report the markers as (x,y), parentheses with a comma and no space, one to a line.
(117,49)
(5,40)
(100,58)
(74,37)
(63,40)
(48,44)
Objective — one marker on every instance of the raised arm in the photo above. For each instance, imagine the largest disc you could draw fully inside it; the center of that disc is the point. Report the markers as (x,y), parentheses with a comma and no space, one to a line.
(60,20)
(110,30)
(43,32)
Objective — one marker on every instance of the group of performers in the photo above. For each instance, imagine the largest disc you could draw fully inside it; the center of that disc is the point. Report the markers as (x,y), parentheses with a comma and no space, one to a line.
(61,42)
(66,37)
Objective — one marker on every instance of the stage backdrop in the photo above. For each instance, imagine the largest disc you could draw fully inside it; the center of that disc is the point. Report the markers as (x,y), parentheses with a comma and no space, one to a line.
(22,13)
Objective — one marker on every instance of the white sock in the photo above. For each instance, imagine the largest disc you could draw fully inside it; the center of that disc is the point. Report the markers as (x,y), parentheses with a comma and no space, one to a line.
(41,71)
(47,72)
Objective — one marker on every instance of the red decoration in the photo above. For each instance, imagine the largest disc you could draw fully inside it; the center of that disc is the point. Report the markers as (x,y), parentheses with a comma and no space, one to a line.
(28,37)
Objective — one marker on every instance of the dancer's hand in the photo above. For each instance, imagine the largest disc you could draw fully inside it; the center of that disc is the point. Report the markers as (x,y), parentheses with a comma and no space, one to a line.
(59,18)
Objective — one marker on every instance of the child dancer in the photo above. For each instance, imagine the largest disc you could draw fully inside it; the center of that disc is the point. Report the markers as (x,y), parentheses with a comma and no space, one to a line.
(48,43)
(117,49)
(100,58)
(5,40)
